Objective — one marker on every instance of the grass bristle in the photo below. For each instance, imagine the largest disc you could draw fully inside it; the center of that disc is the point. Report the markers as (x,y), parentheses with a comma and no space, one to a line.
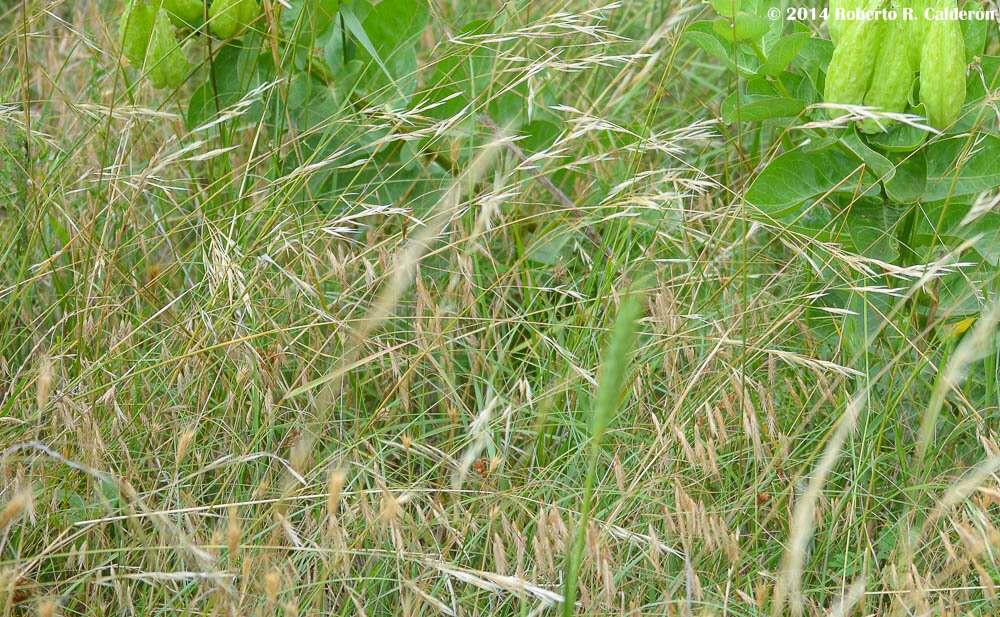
(516,345)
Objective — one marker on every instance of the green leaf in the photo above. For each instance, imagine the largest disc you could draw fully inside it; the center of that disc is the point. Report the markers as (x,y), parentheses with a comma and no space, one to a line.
(463,77)
(748,26)
(346,80)
(549,248)
(228,83)
(311,101)
(955,297)
(334,48)
(795,177)
(909,183)
(357,30)
(871,237)
(973,31)
(899,138)
(939,223)
(990,79)
(792,82)
(539,135)
(815,52)
(723,28)
(781,54)
(743,27)
(702,34)
(987,227)
(726,8)
(978,173)
(754,108)
(882,166)
(387,38)
(761,85)
(306,21)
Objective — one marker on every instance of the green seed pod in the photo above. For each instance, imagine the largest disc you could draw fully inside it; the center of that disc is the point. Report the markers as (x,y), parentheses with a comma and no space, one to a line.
(136,27)
(892,77)
(916,30)
(185,12)
(833,24)
(227,17)
(942,69)
(165,60)
(850,71)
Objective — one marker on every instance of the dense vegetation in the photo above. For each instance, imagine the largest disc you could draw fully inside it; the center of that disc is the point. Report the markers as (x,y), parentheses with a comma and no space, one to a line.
(482,308)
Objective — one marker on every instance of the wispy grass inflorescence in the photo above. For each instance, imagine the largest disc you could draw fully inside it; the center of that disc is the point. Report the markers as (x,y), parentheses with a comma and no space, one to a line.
(345,344)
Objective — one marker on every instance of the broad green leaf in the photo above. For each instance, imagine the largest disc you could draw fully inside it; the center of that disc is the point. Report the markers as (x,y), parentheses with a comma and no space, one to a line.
(814,51)
(871,237)
(794,83)
(795,177)
(743,27)
(701,34)
(909,183)
(781,54)
(987,79)
(346,80)
(747,62)
(310,100)
(539,135)
(304,22)
(387,37)
(937,222)
(775,27)
(881,166)
(726,8)
(812,60)
(761,85)
(827,220)
(463,77)
(357,30)
(899,138)
(956,296)
(723,28)
(754,108)
(749,27)
(335,48)
(862,327)
(987,228)
(973,31)
(229,81)
(956,167)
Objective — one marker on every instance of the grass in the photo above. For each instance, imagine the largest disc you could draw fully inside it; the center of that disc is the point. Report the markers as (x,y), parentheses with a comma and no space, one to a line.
(230,386)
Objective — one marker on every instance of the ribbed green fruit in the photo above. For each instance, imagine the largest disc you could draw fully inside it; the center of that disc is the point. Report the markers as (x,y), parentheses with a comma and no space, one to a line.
(836,26)
(942,70)
(227,17)
(892,77)
(849,73)
(185,12)
(136,28)
(165,60)
(916,30)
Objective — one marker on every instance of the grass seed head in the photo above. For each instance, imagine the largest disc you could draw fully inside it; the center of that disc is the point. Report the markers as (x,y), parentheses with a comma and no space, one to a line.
(43,386)
(15,508)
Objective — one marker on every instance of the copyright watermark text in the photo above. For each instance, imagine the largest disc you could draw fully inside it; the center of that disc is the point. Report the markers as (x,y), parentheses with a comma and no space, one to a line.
(904,14)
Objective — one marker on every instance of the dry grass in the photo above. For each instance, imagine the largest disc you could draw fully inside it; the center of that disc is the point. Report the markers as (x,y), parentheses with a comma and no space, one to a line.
(226,391)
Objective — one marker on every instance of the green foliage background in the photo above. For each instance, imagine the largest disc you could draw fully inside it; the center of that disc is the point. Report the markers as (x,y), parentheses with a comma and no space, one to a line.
(629,356)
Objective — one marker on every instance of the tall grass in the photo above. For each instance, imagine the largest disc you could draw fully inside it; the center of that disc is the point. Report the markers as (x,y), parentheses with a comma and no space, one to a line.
(229,386)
